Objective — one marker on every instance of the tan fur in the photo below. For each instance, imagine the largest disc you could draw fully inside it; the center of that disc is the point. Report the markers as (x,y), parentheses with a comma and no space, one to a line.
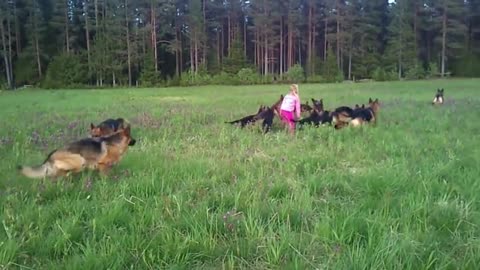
(64,161)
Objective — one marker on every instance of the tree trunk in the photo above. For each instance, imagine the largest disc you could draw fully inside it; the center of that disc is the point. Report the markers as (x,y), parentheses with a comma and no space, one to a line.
(338,32)
(205,43)
(9,29)
(177,51)
(314,47)
(218,48)
(266,38)
(229,24)
(196,54)
(245,38)
(17,29)
(154,35)
(129,60)
(444,38)
(67,35)
(350,63)
(309,45)
(87,34)
(96,15)
(37,46)
(5,55)
(415,25)
(325,41)
(281,48)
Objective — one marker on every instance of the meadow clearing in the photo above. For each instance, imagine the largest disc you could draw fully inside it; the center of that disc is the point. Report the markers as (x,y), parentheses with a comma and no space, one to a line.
(196,193)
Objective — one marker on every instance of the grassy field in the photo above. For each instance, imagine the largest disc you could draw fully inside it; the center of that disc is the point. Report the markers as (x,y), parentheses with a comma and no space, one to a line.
(196,193)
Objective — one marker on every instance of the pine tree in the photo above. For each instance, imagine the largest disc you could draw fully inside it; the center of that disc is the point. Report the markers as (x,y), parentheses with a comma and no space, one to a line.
(401,42)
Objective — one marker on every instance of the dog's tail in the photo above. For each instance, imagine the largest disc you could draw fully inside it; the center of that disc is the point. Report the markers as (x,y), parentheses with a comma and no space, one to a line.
(40,171)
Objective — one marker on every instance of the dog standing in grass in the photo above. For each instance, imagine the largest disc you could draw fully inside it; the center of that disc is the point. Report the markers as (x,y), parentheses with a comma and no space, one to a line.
(99,153)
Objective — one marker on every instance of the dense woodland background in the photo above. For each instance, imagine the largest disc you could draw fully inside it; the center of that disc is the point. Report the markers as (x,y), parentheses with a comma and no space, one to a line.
(71,43)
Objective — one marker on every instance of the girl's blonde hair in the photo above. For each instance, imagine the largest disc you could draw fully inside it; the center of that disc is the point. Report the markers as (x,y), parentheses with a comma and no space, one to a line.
(294,88)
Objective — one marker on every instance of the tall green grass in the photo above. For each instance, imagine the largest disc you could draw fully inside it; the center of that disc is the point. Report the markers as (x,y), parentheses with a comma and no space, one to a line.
(195,193)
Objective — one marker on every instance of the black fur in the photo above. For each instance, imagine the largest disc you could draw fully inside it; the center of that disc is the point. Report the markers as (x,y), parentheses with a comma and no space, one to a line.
(267,115)
(249,119)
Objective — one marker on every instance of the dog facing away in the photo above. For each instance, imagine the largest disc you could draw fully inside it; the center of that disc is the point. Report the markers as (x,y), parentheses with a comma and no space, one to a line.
(362,115)
(90,153)
(249,119)
(438,99)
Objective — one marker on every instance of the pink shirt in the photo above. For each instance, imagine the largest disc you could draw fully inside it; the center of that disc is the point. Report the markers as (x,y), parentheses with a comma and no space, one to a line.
(291,103)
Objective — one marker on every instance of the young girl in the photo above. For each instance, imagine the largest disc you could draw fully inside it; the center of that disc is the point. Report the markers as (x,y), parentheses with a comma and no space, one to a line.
(291,103)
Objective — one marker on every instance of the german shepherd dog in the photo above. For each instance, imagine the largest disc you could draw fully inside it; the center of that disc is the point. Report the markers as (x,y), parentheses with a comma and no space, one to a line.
(92,153)
(268,114)
(107,127)
(318,115)
(306,107)
(249,119)
(438,99)
(360,115)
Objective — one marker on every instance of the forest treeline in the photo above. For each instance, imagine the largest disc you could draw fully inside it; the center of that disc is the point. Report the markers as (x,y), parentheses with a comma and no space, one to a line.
(70,43)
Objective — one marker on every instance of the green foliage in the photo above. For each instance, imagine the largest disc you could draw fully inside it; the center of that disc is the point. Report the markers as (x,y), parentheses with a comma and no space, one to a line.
(189,78)
(225,78)
(380,74)
(433,70)
(467,66)
(149,77)
(315,79)
(248,76)
(295,74)
(415,73)
(66,70)
(236,61)
(330,68)
(25,70)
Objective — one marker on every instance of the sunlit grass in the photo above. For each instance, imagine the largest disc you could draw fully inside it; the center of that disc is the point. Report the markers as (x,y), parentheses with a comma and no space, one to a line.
(197,193)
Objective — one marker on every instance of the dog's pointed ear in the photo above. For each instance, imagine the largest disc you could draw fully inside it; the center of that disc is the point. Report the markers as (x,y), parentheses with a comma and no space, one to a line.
(92,126)
(370,100)
(313,100)
(363,106)
(443,90)
(376,100)
(321,100)
(356,106)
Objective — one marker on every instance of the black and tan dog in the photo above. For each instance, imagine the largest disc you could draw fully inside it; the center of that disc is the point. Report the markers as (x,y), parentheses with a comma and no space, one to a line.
(438,99)
(268,114)
(99,153)
(359,115)
(305,107)
(249,119)
(107,127)
(318,116)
